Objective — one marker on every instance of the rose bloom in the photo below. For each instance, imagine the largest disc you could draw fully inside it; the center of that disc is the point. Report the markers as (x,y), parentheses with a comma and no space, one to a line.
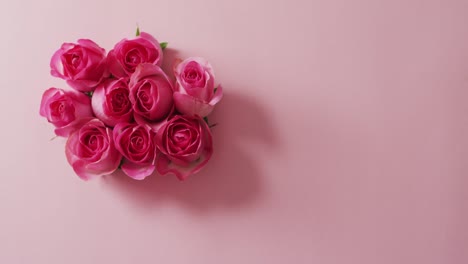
(111,103)
(136,143)
(151,95)
(128,54)
(185,144)
(91,151)
(82,65)
(195,93)
(66,110)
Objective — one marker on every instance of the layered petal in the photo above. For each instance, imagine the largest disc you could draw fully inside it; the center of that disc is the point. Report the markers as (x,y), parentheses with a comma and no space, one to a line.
(128,54)
(66,110)
(111,103)
(192,106)
(185,146)
(137,171)
(195,93)
(91,151)
(151,95)
(81,64)
(137,145)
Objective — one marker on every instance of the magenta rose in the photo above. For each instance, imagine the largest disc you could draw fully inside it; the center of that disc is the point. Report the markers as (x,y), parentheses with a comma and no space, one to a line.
(137,144)
(66,110)
(185,144)
(91,150)
(195,93)
(111,103)
(128,54)
(151,95)
(82,65)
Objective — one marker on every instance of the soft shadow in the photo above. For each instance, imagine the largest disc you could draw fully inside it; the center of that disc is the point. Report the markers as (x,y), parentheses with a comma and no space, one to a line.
(459,143)
(231,178)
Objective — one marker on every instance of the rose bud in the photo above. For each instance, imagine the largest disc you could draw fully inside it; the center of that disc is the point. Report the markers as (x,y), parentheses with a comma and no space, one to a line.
(151,95)
(66,110)
(111,103)
(91,151)
(185,144)
(195,93)
(136,143)
(128,54)
(82,65)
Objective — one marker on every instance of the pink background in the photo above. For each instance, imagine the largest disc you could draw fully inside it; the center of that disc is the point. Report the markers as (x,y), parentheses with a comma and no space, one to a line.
(342,137)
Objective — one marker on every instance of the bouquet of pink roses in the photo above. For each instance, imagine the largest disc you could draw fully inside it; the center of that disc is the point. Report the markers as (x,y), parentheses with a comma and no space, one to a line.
(123,110)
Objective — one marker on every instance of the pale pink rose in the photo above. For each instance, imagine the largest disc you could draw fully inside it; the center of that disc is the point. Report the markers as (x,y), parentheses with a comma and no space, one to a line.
(195,93)
(91,150)
(66,110)
(82,65)
(137,144)
(151,95)
(128,54)
(185,144)
(111,103)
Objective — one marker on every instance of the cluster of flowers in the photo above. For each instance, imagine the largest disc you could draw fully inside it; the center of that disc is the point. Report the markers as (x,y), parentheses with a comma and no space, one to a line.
(123,110)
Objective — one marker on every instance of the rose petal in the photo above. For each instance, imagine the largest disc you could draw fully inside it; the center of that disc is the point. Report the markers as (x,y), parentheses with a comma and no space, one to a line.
(114,66)
(65,131)
(147,69)
(217,96)
(80,169)
(137,171)
(165,166)
(49,93)
(56,66)
(189,105)
(91,46)
(156,44)
(97,103)
(202,61)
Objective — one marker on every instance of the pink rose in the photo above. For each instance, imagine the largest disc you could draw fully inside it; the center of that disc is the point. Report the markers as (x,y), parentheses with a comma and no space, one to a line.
(66,110)
(195,93)
(82,65)
(111,103)
(91,151)
(136,143)
(128,54)
(185,144)
(151,95)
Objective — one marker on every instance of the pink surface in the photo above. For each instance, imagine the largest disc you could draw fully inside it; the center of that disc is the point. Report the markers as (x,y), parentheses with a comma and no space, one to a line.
(342,137)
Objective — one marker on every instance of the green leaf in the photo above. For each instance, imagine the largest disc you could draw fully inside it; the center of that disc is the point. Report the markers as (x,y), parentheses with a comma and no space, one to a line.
(138,31)
(163,45)
(90,94)
(208,123)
